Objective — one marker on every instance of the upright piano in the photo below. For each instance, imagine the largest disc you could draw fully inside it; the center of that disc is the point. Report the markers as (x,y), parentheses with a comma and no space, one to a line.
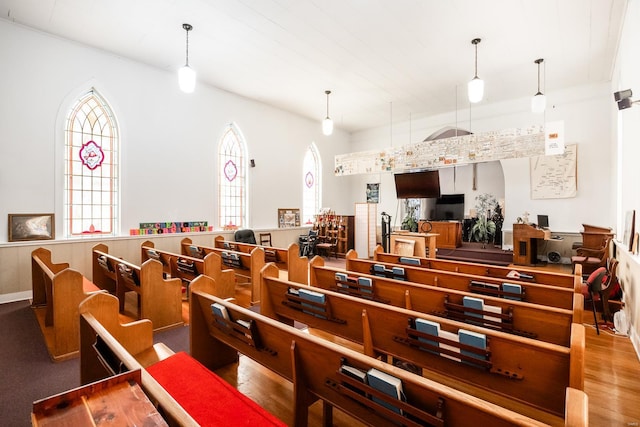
(525,243)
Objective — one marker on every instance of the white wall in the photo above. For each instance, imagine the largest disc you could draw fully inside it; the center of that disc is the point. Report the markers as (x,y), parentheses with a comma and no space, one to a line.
(625,142)
(586,112)
(169,139)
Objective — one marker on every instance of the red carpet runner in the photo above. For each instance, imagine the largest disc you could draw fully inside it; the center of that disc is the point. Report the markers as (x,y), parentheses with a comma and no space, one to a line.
(206,397)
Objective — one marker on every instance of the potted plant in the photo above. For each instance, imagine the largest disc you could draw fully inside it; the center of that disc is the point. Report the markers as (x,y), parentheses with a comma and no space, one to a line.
(484,228)
(410,222)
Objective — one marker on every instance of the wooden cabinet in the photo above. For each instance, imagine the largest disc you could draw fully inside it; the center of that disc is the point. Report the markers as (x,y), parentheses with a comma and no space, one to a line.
(449,233)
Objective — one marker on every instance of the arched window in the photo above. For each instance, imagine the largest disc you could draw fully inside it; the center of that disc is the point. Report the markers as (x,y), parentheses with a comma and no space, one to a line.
(91,167)
(311,187)
(232,164)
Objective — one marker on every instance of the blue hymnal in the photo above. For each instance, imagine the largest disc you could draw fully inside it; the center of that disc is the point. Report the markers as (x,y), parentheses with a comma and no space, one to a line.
(314,296)
(473,339)
(379,270)
(406,260)
(386,384)
(366,285)
(514,289)
(428,327)
(195,252)
(475,303)
(220,312)
(398,273)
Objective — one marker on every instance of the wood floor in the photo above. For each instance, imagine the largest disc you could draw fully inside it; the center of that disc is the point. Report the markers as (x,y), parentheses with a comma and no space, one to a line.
(612,379)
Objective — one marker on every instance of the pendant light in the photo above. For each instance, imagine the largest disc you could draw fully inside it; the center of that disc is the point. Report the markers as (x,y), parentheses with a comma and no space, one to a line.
(186,74)
(476,86)
(327,123)
(539,101)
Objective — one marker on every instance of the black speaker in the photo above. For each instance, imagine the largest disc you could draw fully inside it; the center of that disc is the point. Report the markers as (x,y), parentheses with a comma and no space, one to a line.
(252,163)
(623,94)
(625,103)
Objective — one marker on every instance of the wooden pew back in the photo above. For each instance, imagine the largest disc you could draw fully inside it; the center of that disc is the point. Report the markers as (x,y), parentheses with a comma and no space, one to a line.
(285,259)
(160,299)
(512,371)
(187,268)
(535,293)
(314,367)
(106,347)
(547,324)
(245,266)
(573,281)
(63,289)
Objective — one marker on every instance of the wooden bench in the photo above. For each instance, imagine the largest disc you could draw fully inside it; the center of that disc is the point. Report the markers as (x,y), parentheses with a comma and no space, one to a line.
(246,266)
(317,367)
(187,268)
(543,323)
(285,259)
(109,348)
(535,293)
(57,291)
(541,277)
(159,299)
(518,373)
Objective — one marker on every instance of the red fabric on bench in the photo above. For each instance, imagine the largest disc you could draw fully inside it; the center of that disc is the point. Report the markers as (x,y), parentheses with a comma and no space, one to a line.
(209,399)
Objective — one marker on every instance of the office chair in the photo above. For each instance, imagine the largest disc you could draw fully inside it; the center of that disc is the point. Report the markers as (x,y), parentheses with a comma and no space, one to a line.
(245,236)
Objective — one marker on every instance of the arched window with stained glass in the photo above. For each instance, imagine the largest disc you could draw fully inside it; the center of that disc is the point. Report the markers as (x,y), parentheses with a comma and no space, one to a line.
(312,184)
(91,167)
(232,192)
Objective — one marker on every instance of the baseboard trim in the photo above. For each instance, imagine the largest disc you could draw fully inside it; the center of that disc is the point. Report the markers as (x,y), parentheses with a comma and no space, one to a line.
(16,296)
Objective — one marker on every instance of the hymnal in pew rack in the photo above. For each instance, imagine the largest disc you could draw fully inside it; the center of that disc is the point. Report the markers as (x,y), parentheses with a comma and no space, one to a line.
(350,386)
(499,321)
(454,349)
(360,287)
(244,330)
(318,308)
(511,291)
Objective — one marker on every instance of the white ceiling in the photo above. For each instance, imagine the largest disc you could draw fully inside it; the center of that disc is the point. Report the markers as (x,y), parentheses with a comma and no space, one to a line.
(407,57)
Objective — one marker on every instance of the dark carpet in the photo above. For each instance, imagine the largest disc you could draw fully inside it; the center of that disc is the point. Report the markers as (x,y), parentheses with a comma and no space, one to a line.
(28,374)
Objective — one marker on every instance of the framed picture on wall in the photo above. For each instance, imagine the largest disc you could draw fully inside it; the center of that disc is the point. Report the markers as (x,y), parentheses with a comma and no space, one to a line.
(629,230)
(31,227)
(373,193)
(288,218)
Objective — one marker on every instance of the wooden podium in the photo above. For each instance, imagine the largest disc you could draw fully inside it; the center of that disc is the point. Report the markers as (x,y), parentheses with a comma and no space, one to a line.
(424,243)
(525,243)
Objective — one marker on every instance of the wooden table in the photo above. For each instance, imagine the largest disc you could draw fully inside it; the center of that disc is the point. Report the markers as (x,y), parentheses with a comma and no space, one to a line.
(117,400)
(422,243)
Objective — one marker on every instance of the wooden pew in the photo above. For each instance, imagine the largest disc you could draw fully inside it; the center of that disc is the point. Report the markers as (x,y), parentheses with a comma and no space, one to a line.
(573,281)
(285,259)
(187,268)
(108,348)
(246,266)
(57,291)
(159,299)
(315,365)
(551,296)
(518,373)
(548,324)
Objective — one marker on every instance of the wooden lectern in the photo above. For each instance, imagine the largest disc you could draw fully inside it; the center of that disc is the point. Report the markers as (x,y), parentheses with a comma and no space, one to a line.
(525,243)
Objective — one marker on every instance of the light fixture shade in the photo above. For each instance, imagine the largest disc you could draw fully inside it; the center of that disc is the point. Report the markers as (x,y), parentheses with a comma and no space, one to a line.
(187,79)
(538,103)
(327,126)
(475,90)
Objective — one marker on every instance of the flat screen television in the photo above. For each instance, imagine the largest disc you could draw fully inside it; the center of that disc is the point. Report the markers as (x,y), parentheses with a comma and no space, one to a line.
(449,207)
(417,185)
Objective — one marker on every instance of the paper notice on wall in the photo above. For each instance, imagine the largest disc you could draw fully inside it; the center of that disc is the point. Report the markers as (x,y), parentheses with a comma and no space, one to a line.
(554,138)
